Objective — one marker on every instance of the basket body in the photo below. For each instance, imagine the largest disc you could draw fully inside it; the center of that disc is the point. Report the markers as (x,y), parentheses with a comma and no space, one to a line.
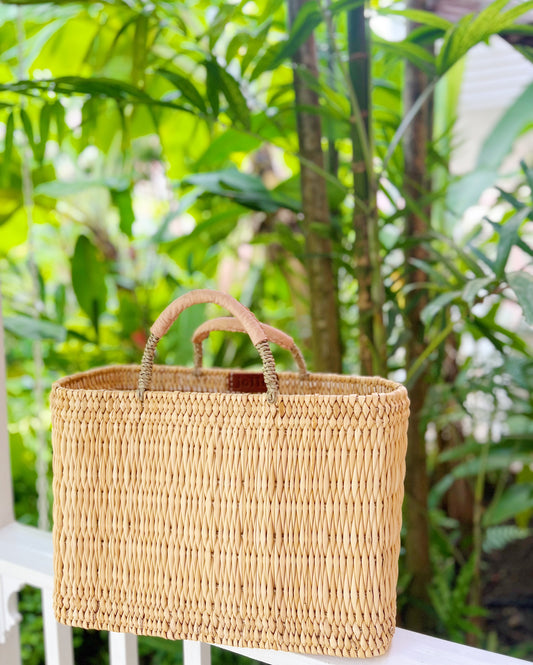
(208,515)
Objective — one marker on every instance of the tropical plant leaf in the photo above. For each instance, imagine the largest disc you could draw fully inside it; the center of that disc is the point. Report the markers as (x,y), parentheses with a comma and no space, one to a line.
(248,190)
(525,50)
(522,284)
(473,287)
(8,148)
(224,82)
(220,148)
(94,87)
(121,198)
(28,128)
(212,87)
(415,53)
(507,231)
(513,501)
(44,130)
(499,142)
(475,28)
(418,16)
(187,89)
(307,19)
(59,188)
(498,537)
(339,6)
(88,280)
(497,460)
(27,327)
(254,45)
(437,305)
(237,42)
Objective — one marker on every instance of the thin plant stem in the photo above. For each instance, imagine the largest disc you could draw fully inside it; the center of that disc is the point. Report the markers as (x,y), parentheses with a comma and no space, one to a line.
(407,120)
(37,348)
(422,359)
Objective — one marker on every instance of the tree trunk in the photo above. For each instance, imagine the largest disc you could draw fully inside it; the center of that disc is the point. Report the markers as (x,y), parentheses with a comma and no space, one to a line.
(319,263)
(371,294)
(416,184)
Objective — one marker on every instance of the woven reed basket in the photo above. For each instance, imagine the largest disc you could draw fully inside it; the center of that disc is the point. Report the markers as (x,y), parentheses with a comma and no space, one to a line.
(191,504)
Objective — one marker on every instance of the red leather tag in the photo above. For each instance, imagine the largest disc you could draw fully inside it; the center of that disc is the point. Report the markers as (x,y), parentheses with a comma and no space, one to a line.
(246,382)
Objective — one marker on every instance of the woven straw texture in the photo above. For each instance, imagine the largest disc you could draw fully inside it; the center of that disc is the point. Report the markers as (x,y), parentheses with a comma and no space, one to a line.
(216,516)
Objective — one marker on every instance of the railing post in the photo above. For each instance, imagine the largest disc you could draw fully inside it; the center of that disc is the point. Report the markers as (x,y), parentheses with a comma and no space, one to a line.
(58,647)
(196,653)
(123,649)
(9,617)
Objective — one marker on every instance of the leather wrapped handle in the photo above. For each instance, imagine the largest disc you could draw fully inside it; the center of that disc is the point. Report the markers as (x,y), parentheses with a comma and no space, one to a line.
(249,323)
(231,324)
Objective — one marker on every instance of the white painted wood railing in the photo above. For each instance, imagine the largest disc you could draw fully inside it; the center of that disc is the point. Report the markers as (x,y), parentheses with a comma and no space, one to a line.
(26,559)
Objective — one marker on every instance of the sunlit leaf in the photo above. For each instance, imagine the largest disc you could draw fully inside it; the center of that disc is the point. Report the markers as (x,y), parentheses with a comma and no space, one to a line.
(44,130)
(475,28)
(121,198)
(224,82)
(248,190)
(307,19)
(418,16)
(28,128)
(186,87)
(254,45)
(514,500)
(415,53)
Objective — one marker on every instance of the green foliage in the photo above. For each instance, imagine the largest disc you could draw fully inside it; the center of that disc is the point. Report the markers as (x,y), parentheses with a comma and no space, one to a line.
(522,285)
(449,594)
(163,156)
(499,537)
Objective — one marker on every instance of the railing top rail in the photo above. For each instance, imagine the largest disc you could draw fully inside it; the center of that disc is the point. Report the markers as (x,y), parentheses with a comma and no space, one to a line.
(26,554)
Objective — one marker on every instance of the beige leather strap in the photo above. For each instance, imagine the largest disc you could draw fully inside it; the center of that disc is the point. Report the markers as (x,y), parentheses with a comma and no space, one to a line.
(249,323)
(171,313)
(231,324)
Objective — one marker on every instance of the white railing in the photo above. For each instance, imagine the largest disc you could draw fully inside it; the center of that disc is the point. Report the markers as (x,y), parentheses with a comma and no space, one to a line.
(26,559)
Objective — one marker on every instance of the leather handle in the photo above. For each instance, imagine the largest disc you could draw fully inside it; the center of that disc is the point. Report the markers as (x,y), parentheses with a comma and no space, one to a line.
(231,324)
(248,321)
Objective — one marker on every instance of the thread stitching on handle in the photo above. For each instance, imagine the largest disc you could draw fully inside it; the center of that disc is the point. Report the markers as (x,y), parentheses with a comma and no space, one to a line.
(147,364)
(269,371)
(198,356)
(299,359)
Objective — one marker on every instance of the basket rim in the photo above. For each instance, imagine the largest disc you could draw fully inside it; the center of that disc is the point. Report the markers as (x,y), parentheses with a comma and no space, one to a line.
(396,389)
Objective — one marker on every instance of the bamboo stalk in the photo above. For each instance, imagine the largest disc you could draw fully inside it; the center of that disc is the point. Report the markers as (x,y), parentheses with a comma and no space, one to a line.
(316,214)
(416,184)
(333,154)
(371,293)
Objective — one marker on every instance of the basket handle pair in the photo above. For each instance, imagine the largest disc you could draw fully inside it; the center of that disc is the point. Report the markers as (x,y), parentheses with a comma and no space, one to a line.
(258,333)
(231,324)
